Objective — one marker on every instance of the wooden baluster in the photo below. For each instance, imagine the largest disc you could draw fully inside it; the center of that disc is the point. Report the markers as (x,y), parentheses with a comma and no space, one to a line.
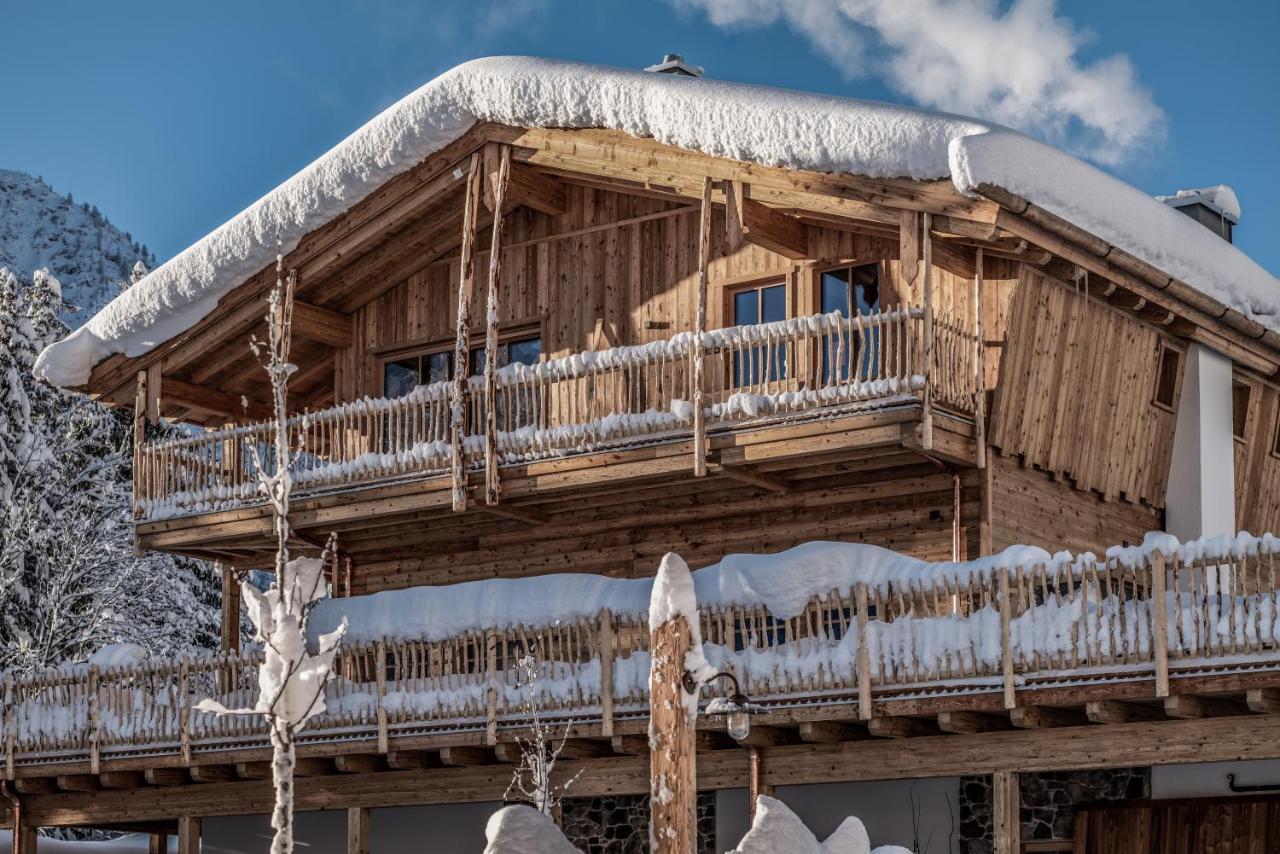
(466,284)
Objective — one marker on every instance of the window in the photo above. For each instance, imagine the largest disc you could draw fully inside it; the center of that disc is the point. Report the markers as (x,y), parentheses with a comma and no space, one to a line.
(401,376)
(1167,377)
(759,304)
(850,291)
(1239,409)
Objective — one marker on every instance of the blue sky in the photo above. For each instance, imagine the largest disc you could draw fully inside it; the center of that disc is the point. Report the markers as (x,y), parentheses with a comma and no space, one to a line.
(172,117)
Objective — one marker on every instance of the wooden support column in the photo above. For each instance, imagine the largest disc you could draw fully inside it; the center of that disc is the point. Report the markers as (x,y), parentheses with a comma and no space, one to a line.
(672,758)
(1006,642)
(700,326)
(926,262)
(492,484)
(25,839)
(359,832)
(230,608)
(158,843)
(154,393)
(1006,824)
(980,378)
(1160,623)
(139,439)
(188,835)
(466,286)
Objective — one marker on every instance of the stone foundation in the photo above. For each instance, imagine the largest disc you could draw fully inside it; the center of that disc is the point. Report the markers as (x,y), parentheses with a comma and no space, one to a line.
(619,824)
(1048,802)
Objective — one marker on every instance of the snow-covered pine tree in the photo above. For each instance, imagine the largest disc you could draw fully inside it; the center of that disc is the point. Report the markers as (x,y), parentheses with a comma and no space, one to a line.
(71,581)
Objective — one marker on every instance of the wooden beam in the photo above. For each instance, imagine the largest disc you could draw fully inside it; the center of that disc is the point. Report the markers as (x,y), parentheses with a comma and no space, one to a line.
(122,779)
(769,736)
(405,760)
(253,770)
(188,835)
(79,783)
(830,732)
(1006,801)
(465,756)
(533,188)
(970,722)
(1191,706)
(357,763)
(36,785)
(750,221)
(167,776)
(324,325)
(1264,700)
(209,399)
(359,831)
(462,332)
(213,773)
(630,745)
(230,608)
(1120,712)
(760,481)
(1038,717)
(897,727)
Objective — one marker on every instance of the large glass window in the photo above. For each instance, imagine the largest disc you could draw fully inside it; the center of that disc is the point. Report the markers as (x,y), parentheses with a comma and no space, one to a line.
(850,291)
(759,304)
(401,376)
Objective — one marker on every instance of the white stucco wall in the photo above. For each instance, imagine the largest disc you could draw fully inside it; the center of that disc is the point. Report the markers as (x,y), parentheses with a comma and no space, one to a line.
(1201,496)
(884,807)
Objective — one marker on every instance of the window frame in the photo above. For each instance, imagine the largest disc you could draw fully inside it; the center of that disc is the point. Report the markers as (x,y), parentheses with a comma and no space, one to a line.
(515,332)
(1236,386)
(819,272)
(1166,350)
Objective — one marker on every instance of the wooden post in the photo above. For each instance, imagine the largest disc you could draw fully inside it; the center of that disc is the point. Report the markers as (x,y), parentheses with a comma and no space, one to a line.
(25,839)
(1160,623)
(864,658)
(139,440)
(359,832)
(1006,803)
(1006,646)
(926,262)
(700,326)
(492,484)
(154,393)
(466,286)
(95,722)
(380,670)
(672,756)
(605,642)
(158,843)
(980,356)
(184,713)
(491,687)
(230,609)
(188,835)
(10,727)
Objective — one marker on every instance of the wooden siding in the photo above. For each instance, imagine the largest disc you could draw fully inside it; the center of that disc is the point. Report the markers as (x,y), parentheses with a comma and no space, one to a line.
(909,510)
(1076,394)
(1257,467)
(1030,507)
(1219,825)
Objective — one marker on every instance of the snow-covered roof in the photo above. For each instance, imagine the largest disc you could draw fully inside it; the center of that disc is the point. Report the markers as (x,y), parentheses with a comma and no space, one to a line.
(769,126)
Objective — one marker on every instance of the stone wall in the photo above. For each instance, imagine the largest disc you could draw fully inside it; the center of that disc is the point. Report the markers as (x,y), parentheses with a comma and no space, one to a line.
(619,824)
(1048,802)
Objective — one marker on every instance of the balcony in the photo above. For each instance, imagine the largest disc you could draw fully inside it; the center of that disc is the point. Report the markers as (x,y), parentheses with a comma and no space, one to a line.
(599,407)
(924,650)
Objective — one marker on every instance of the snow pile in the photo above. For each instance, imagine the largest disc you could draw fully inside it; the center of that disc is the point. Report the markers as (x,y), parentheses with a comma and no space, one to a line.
(132,844)
(750,123)
(776,828)
(118,655)
(521,829)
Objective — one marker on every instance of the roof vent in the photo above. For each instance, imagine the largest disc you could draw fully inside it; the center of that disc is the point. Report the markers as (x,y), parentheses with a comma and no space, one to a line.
(1216,208)
(673,63)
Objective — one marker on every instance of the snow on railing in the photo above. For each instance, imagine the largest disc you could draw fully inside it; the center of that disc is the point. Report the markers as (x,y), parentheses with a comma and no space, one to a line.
(583,402)
(822,624)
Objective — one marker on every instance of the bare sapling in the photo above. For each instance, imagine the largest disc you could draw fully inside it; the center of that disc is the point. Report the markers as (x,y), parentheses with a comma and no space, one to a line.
(291,679)
(539,751)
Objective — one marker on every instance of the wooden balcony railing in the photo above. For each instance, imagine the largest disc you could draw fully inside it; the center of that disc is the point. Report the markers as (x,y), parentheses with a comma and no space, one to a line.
(952,631)
(584,402)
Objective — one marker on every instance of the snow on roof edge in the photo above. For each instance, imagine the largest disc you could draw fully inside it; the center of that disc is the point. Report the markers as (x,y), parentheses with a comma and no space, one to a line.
(769,126)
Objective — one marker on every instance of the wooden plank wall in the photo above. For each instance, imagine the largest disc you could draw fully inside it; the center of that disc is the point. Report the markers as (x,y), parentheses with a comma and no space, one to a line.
(1075,397)
(1030,507)
(1257,467)
(909,511)
(1219,825)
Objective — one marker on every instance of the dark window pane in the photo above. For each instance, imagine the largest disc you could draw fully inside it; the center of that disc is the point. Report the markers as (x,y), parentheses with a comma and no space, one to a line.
(866,280)
(835,291)
(746,307)
(526,352)
(437,367)
(773,303)
(400,377)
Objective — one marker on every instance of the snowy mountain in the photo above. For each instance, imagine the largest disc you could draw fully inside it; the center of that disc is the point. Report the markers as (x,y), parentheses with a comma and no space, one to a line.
(41,228)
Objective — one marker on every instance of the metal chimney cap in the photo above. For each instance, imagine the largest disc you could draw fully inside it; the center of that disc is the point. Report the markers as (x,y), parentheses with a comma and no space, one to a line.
(673,63)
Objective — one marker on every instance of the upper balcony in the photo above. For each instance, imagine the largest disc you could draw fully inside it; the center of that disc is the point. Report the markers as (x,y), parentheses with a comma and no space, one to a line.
(776,398)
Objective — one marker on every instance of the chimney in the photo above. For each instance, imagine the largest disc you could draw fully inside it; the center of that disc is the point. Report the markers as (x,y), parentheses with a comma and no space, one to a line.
(673,63)
(1216,208)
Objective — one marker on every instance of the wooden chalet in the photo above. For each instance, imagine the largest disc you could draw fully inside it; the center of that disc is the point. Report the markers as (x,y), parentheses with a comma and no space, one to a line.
(705,355)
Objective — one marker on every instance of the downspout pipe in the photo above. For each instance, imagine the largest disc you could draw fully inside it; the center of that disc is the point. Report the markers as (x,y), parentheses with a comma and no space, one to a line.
(16,811)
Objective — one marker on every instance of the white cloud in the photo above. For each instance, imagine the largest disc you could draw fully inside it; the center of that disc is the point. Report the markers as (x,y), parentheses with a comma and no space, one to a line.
(1018,65)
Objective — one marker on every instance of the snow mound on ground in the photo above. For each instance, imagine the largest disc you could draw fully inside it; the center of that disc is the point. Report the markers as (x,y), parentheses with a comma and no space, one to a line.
(118,655)
(758,124)
(133,844)
(776,828)
(521,829)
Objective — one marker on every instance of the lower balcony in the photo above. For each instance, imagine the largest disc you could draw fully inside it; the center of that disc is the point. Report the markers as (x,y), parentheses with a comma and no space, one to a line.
(733,404)
(857,643)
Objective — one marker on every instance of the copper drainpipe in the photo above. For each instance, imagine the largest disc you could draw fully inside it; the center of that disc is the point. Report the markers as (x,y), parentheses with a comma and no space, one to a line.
(17,815)
(754,753)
